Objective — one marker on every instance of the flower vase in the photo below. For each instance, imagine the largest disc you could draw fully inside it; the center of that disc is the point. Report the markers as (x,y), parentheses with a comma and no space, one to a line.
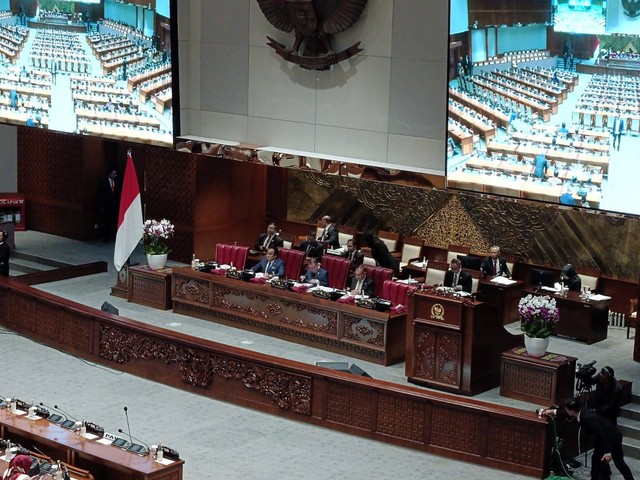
(536,347)
(156,262)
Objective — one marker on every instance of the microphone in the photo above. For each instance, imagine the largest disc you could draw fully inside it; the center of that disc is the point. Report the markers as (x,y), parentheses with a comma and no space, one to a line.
(53,417)
(36,449)
(134,447)
(65,413)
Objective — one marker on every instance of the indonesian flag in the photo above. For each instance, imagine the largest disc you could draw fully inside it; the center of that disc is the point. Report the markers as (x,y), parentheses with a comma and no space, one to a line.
(130,216)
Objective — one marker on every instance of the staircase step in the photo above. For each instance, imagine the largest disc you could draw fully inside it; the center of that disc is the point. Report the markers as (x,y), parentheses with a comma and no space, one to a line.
(21,267)
(631,410)
(27,257)
(629,428)
(631,447)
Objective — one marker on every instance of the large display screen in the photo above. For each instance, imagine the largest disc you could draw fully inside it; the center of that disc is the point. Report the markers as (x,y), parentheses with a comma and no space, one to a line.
(91,67)
(537,114)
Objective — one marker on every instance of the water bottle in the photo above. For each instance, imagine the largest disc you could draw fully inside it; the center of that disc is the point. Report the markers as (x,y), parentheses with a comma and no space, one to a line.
(193,262)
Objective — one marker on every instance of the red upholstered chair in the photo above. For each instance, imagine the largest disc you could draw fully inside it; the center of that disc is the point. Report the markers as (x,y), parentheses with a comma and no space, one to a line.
(292,262)
(232,254)
(379,275)
(337,269)
(396,292)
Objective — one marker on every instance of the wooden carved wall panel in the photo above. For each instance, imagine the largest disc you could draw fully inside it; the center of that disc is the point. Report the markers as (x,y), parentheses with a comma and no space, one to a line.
(47,321)
(359,203)
(76,332)
(50,170)
(363,330)
(21,313)
(528,381)
(171,193)
(401,418)
(458,430)
(198,368)
(350,406)
(512,442)
(193,290)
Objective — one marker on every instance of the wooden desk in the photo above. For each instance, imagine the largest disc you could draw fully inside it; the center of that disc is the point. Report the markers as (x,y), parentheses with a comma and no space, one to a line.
(377,337)
(103,461)
(151,288)
(504,297)
(586,321)
(454,344)
(544,381)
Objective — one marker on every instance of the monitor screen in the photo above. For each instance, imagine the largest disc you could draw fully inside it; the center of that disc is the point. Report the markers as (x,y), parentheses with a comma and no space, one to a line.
(538,106)
(543,278)
(91,67)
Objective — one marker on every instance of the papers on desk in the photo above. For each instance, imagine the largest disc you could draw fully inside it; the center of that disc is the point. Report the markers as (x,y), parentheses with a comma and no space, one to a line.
(408,281)
(420,264)
(451,290)
(503,281)
(597,297)
(318,288)
(165,461)
(336,251)
(104,441)
(550,289)
(90,436)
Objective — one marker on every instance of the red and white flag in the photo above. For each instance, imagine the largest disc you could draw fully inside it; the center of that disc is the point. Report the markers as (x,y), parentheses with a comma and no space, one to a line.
(130,216)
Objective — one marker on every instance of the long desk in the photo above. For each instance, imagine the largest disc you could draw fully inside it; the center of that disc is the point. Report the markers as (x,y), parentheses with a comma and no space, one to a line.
(583,320)
(377,337)
(105,462)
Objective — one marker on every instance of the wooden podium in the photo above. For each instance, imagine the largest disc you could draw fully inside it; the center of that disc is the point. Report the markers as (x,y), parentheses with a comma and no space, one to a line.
(454,344)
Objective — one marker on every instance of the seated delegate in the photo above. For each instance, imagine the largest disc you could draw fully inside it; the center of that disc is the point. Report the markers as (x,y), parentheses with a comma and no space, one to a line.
(314,274)
(570,278)
(361,284)
(457,278)
(271,266)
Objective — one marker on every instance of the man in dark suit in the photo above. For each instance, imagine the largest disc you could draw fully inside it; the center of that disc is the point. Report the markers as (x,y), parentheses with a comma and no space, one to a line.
(608,439)
(329,234)
(315,275)
(109,197)
(356,256)
(272,265)
(5,254)
(269,239)
(361,284)
(616,130)
(457,278)
(494,264)
(380,252)
(311,247)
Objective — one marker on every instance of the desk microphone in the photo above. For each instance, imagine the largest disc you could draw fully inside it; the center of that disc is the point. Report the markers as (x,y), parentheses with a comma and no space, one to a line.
(133,447)
(36,449)
(65,413)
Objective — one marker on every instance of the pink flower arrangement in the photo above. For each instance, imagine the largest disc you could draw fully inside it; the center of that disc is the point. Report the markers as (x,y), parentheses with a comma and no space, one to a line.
(538,315)
(155,235)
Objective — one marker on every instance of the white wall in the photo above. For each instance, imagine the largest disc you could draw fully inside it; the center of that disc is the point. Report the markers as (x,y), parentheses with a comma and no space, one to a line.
(387,104)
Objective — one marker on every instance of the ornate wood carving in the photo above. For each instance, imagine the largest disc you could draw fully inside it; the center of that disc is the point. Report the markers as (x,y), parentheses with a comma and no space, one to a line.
(350,406)
(363,330)
(198,368)
(192,290)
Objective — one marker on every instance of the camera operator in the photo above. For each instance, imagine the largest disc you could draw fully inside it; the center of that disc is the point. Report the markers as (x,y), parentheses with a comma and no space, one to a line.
(605,400)
(608,439)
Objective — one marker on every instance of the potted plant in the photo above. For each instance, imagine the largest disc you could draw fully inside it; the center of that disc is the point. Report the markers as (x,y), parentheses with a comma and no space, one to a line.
(538,319)
(155,236)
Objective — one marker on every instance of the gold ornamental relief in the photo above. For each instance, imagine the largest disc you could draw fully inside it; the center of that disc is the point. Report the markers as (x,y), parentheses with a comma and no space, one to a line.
(437,312)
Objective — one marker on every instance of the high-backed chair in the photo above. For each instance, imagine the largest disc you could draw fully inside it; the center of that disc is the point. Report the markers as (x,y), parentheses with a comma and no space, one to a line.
(288,239)
(476,276)
(390,239)
(292,262)
(396,292)
(379,275)
(436,272)
(589,277)
(337,269)
(455,250)
(346,233)
(232,255)
(411,250)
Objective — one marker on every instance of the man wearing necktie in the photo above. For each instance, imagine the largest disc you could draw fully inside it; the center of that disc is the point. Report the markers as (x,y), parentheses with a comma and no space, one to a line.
(269,239)
(361,284)
(494,264)
(354,254)
(329,234)
(271,266)
(315,275)
(457,278)
(311,247)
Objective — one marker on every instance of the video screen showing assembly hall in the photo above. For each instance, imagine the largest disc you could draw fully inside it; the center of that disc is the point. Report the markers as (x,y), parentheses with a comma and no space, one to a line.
(94,67)
(543,101)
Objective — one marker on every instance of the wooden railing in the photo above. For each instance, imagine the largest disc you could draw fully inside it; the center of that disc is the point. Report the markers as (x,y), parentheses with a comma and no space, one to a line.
(457,427)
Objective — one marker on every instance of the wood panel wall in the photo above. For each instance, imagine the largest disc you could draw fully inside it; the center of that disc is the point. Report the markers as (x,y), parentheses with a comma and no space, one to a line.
(508,12)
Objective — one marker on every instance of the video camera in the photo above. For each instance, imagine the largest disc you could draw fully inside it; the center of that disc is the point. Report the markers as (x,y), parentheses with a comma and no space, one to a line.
(584,375)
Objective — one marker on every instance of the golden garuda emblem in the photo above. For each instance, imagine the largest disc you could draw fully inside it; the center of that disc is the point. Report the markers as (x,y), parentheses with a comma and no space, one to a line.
(314,22)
